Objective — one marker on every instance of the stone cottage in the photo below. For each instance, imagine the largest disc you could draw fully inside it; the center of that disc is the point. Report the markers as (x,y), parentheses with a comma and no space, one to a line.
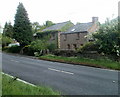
(54,31)
(77,35)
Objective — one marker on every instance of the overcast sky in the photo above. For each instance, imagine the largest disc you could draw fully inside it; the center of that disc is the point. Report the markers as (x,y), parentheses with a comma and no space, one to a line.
(60,10)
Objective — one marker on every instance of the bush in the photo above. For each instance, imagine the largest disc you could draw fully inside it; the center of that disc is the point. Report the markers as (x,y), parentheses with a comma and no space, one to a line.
(67,53)
(5,48)
(90,46)
(6,40)
(52,47)
(14,49)
(27,50)
(108,37)
(36,47)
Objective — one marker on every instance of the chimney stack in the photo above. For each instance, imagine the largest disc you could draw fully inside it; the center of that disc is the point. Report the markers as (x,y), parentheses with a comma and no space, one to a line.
(94,19)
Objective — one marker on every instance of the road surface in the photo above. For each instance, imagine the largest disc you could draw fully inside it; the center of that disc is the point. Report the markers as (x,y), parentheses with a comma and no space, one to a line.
(66,78)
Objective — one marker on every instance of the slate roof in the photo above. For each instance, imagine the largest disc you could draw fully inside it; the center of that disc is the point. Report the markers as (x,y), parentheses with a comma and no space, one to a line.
(80,27)
(57,26)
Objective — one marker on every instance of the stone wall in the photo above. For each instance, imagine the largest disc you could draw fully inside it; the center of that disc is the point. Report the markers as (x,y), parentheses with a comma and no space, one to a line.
(72,40)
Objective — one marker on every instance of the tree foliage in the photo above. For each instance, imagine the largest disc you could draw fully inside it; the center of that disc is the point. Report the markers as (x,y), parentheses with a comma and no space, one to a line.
(6,40)
(52,47)
(38,45)
(49,23)
(35,27)
(8,30)
(90,46)
(22,27)
(108,37)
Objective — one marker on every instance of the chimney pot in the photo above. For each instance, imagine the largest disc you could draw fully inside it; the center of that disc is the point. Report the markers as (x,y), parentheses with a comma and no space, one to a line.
(94,19)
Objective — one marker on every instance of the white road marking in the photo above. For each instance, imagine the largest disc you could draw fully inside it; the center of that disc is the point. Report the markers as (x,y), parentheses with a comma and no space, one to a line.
(19,80)
(60,71)
(15,61)
(25,82)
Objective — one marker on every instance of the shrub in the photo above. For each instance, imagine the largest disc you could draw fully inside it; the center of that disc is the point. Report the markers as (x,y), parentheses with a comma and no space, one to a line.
(14,49)
(90,46)
(6,40)
(27,50)
(108,37)
(36,47)
(52,47)
(5,48)
(67,53)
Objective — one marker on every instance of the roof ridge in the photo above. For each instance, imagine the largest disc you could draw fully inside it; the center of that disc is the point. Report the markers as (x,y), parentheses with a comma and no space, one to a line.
(57,26)
(85,23)
(62,22)
(79,27)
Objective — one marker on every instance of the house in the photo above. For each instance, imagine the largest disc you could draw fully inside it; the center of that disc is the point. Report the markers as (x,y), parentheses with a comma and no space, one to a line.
(77,35)
(54,32)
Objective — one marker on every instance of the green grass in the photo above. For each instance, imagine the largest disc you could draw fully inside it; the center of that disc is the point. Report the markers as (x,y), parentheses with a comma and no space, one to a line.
(103,63)
(10,87)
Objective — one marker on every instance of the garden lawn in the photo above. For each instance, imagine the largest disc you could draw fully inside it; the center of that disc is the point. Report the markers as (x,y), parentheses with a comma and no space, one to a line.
(101,63)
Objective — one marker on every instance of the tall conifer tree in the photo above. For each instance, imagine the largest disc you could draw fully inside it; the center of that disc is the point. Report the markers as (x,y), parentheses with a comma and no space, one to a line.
(8,30)
(22,26)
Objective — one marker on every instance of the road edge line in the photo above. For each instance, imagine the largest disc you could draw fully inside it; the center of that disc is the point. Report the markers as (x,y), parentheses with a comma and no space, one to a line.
(18,79)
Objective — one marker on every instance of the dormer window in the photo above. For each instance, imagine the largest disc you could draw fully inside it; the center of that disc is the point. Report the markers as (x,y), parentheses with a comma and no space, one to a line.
(73,30)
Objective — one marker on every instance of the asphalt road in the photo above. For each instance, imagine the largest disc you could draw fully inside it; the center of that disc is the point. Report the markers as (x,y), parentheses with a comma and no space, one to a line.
(66,78)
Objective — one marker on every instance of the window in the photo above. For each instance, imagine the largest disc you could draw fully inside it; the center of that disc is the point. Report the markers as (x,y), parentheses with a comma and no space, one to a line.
(78,36)
(65,37)
(81,44)
(53,36)
(68,46)
(73,30)
(75,46)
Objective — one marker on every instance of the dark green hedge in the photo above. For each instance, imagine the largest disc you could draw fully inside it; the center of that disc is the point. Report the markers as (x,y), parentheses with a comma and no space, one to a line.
(90,46)
(14,49)
(67,53)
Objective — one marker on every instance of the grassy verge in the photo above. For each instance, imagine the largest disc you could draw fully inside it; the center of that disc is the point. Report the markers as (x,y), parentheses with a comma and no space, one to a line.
(102,63)
(14,87)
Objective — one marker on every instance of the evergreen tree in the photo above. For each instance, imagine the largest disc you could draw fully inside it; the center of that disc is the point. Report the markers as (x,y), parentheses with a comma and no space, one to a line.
(0,29)
(4,29)
(8,30)
(22,27)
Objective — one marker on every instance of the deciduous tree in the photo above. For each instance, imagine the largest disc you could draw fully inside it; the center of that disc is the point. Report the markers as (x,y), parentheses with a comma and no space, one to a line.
(35,27)
(108,37)
(49,23)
